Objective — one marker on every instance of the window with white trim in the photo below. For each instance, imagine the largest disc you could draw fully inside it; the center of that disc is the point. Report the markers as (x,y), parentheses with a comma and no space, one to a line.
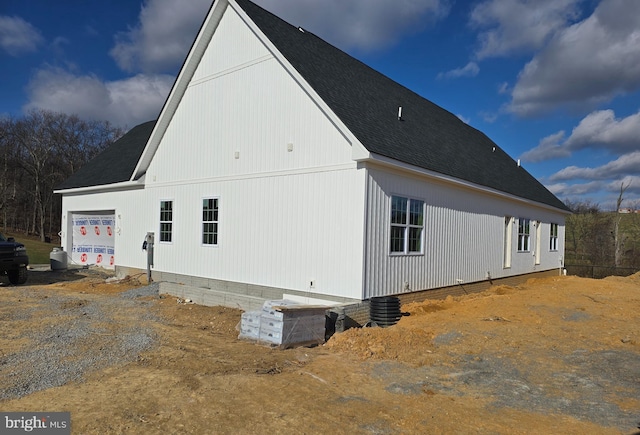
(166,221)
(210,221)
(524,235)
(407,224)
(553,237)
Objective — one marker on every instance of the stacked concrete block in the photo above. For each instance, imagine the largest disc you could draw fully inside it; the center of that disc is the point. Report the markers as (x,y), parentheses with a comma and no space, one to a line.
(285,323)
(250,325)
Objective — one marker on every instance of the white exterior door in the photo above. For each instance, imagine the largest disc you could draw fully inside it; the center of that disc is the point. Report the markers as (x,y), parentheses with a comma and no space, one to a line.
(538,227)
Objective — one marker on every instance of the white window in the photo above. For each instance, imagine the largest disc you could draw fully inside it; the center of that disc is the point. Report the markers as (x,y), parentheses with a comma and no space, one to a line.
(210,221)
(166,221)
(524,235)
(553,237)
(407,223)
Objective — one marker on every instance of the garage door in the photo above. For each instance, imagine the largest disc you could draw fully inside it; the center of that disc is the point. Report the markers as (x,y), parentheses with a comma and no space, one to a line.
(93,238)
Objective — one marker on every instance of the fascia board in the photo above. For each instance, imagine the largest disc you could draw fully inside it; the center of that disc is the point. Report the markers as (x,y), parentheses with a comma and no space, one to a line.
(378,160)
(180,85)
(125,185)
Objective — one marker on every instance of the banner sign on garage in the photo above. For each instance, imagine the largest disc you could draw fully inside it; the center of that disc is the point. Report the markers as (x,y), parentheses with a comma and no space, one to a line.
(93,240)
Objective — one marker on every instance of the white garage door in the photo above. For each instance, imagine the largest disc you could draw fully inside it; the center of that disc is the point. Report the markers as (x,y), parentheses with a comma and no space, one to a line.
(93,238)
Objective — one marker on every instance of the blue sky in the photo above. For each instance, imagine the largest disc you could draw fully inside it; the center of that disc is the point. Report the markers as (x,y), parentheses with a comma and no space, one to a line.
(556,83)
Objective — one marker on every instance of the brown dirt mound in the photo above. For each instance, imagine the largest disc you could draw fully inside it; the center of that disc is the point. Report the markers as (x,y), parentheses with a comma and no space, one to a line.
(557,355)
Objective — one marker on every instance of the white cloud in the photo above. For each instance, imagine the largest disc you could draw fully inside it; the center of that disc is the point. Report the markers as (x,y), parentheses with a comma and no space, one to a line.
(599,129)
(360,24)
(159,42)
(550,147)
(602,129)
(18,36)
(162,38)
(585,64)
(606,191)
(514,26)
(469,70)
(503,88)
(463,119)
(166,29)
(631,183)
(625,165)
(564,190)
(125,102)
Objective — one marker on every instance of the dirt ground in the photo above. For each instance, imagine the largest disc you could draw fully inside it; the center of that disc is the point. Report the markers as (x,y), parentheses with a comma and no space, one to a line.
(555,355)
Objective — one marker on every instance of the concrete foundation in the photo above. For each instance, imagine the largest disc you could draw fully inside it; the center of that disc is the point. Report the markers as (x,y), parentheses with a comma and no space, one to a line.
(345,313)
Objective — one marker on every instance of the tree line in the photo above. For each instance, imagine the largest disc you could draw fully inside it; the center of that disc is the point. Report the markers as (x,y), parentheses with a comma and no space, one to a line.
(39,151)
(601,239)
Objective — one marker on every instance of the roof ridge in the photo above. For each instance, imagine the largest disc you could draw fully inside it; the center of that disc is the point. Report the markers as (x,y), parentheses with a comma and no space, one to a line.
(367,102)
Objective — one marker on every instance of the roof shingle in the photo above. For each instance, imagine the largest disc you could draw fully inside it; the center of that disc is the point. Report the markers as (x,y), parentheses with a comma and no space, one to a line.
(116,163)
(367,103)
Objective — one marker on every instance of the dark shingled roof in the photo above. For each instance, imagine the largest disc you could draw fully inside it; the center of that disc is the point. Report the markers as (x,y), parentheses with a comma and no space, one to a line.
(367,103)
(116,163)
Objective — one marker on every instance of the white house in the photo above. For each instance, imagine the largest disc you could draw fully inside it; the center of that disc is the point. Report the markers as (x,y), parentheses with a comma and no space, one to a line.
(281,165)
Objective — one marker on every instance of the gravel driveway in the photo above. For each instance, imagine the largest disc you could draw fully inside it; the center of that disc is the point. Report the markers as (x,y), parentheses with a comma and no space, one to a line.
(64,328)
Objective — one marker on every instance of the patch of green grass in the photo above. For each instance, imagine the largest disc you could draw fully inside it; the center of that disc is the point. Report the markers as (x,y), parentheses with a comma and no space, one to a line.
(38,251)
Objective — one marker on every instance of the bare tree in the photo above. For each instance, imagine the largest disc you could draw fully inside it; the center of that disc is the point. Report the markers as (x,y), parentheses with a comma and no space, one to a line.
(5,155)
(618,238)
(583,229)
(49,147)
(81,140)
(36,147)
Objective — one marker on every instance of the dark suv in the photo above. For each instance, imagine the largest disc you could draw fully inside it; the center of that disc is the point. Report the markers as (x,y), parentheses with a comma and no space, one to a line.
(13,260)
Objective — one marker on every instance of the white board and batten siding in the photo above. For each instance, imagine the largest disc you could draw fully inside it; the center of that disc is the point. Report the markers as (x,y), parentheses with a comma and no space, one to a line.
(243,113)
(463,236)
(289,194)
(127,207)
(305,238)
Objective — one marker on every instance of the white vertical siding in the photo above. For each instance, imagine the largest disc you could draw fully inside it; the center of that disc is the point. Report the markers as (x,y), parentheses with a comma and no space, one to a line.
(290,196)
(278,231)
(242,47)
(241,115)
(463,236)
(291,205)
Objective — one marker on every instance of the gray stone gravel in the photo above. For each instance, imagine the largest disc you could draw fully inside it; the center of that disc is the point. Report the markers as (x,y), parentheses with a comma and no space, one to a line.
(75,336)
(150,290)
(583,391)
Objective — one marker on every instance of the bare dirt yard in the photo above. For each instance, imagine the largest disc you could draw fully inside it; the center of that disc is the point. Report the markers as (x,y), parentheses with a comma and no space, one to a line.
(557,355)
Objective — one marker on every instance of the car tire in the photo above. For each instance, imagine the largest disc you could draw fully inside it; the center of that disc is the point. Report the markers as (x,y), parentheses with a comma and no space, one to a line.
(17,276)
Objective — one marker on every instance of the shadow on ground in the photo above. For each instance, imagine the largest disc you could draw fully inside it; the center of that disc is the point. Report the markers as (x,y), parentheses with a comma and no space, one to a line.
(43,275)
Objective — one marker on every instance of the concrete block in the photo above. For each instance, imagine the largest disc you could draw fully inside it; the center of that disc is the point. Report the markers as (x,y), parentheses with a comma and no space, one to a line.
(212,299)
(172,277)
(171,288)
(197,281)
(237,288)
(266,292)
